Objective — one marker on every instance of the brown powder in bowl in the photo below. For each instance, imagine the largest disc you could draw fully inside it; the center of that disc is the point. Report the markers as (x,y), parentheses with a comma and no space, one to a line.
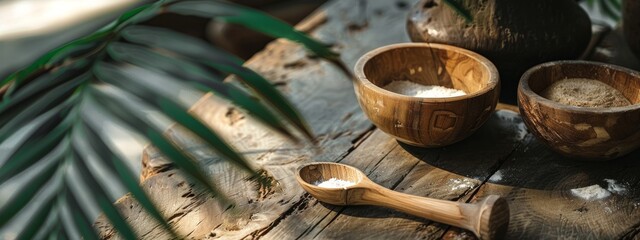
(582,92)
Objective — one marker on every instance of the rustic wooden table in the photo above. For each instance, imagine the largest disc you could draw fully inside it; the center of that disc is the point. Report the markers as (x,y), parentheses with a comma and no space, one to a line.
(542,188)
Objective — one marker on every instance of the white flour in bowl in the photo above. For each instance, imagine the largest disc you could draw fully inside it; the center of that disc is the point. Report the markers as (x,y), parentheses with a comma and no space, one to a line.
(426,91)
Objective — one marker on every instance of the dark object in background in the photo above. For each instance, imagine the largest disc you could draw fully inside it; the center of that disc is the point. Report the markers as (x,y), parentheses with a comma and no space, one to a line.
(514,35)
(234,38)
(244,42)
(631,24)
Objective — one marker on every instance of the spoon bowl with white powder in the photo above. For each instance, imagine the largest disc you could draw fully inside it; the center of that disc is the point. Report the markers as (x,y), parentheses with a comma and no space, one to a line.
(426,95)
(583,110)
(341,184)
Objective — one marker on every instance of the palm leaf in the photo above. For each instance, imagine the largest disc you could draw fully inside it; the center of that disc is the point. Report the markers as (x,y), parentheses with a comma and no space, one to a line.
(611,8)
(100,196)
(45,211)
(249,18)
(90,141)
(48,136)
(42,83)
(82,222)
(59,95)
(197,50)
(138,121)
(199,77)
(22,198)
(106,70)
(459,9)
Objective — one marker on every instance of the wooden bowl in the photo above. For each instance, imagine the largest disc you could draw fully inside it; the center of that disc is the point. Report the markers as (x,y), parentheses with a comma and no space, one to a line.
(581,132)
(426,122)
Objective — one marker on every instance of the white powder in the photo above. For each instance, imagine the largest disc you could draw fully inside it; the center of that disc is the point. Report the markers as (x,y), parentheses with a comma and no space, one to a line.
(615,187)
(418,90)
(334,183)
(462,184)
(515,120)
(592,192)
(496,177)
(608,210)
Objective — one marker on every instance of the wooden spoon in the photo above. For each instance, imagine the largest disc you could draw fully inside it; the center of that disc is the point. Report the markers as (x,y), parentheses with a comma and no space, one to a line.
(487,219)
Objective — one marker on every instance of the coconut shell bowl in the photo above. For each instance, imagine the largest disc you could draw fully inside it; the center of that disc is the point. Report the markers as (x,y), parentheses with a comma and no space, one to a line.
(421,121)
(585,133)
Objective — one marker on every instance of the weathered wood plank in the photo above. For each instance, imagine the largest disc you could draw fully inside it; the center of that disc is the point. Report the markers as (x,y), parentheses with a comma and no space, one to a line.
(175,197)
(325,98)
(540,184)
(452,173)
(530,176)
(295,223)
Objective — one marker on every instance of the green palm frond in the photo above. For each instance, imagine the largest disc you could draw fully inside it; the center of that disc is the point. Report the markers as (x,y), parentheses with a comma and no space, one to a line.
(610,8)
(123,71)
(457,6)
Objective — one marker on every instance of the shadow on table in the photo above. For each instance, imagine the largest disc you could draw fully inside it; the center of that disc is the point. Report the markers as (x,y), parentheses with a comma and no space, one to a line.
(503,152)
(366,211)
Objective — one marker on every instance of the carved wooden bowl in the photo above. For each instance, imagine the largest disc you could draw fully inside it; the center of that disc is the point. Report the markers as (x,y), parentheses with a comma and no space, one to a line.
(426,122)
(581,132)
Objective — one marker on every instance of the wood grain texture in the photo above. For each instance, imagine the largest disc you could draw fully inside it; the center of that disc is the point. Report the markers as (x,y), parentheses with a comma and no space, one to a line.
(538,183)
(579,132)
(500,158)
(450,173)
(487,219)
(426,122)
(326,100)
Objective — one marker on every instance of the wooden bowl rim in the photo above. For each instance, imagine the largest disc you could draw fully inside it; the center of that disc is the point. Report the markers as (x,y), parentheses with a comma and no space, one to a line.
(364,59)
(523,86)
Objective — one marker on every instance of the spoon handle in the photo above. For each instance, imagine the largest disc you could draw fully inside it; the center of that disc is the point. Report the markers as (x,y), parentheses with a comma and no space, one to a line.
(485,219)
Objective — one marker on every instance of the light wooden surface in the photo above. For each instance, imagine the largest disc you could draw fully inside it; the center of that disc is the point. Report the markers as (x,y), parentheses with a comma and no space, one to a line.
(427,122)
(501,158)
(487,219)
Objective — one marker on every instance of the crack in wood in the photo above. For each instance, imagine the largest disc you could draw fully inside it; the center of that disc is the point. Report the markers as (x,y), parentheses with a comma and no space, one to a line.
(474,191)
(363,136)
(395,185)
(304,201)
(317,223)
(446,230)
(498,165)
(325,226)
(633,233)
(300,205)
(266,185)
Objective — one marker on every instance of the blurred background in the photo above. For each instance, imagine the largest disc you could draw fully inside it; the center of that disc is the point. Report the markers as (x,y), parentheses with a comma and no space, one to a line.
(32,27)
(29,28)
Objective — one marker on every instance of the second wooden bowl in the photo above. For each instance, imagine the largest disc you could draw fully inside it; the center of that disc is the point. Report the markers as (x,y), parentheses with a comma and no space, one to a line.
(581,132)
(426,122)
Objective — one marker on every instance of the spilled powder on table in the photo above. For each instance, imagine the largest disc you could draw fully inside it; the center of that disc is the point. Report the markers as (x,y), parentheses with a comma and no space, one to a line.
(418,90)
(496,177)
(608,210)
(516,121)
(614,187)
(334,183)
(593,192)
(461,184)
